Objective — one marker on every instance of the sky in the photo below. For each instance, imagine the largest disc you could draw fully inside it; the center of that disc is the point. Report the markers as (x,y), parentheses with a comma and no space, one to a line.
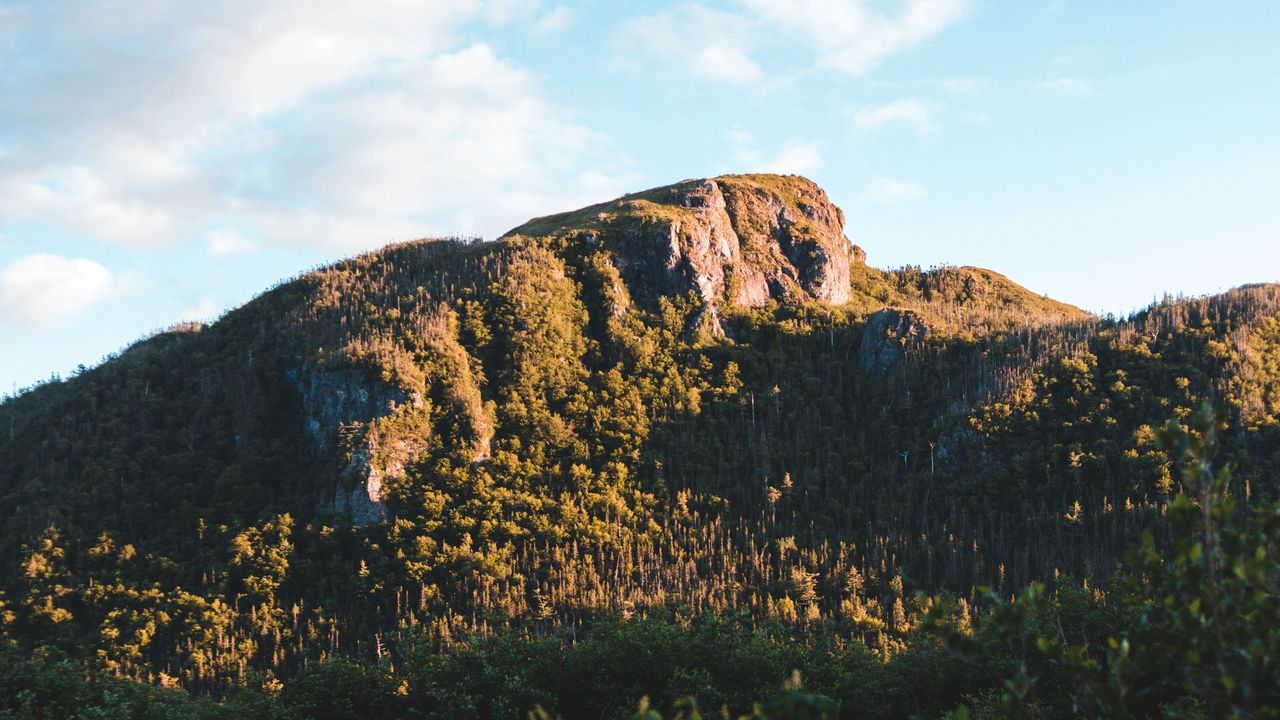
(167,160)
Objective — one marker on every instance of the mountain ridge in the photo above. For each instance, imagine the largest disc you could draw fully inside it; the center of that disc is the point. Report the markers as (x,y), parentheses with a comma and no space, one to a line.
(454,437)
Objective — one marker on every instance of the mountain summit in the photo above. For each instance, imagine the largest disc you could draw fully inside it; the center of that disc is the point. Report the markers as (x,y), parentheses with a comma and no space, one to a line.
(743,241)
(740,239)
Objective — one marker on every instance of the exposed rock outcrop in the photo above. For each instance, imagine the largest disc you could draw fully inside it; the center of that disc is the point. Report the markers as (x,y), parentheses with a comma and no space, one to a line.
(331,399)
(793,236)
(889,333)
(693,249)
(343,406)
(378,458)
(739,239)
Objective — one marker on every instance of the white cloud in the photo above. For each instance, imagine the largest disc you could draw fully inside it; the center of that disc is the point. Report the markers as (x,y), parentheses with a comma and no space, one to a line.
(1065,87)
(554,21)
(797,159)
(706,43)
(850,36)
(964,85)
(725,62)
(502,12)
(83,204)
(264,115)
(43,289)
(230,242)
(203,310)
(919,115)
(461,142)
(720,43)
(885,190)
(116,145)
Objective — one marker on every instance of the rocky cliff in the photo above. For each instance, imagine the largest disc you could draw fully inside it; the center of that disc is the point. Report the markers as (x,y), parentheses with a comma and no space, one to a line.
(742,240)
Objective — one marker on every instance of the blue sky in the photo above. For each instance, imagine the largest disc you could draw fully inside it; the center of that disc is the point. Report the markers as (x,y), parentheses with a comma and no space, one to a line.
(164,160)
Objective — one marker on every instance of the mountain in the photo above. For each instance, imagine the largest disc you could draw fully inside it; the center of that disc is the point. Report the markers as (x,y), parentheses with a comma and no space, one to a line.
(696,399)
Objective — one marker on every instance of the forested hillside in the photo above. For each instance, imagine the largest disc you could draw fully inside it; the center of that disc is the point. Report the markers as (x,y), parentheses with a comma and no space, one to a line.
(692,407)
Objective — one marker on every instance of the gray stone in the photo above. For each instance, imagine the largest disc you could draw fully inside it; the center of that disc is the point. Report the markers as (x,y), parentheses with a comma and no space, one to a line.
(887,335)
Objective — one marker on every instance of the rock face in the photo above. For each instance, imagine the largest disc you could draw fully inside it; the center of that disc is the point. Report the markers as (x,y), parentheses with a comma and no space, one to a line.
(338,402)
(739,239)
(888,334)
(689,250)
(793,236)
(375,460)
(334,398)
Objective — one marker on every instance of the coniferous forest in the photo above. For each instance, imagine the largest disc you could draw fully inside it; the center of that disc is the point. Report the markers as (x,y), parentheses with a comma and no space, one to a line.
(682,454)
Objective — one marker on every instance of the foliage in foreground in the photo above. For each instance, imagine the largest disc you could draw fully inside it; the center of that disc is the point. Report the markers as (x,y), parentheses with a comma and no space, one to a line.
(1193,630)
(706,668)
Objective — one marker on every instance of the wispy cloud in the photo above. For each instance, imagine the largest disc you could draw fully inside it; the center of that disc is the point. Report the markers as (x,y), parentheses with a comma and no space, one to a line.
(915,113)
(721,42)
(964,85)
(230,242)
(884,190)
(44,289)
(258,114)
(850,36)
(1064,87)
(83,201)
(796,159)
(464,138)
(202,310)
(706,43)
(554,21)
